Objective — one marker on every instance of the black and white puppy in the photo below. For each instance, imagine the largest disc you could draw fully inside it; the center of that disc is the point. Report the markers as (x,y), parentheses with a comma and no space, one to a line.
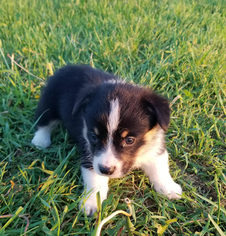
(117,127)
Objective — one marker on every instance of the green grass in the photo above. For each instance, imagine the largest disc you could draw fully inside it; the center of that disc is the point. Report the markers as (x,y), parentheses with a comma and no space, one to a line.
(176,48)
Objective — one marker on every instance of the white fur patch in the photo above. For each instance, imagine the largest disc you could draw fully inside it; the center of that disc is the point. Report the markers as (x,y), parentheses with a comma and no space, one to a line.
(115,81)
(84,132)
(114,116)
(107,158)
(93,183)
(42,135)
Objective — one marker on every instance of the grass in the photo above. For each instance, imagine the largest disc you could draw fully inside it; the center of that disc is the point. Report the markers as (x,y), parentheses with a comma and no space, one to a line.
(176,48)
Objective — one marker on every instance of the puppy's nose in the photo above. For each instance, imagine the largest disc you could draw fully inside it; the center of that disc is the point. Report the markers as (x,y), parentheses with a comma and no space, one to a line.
(106,170)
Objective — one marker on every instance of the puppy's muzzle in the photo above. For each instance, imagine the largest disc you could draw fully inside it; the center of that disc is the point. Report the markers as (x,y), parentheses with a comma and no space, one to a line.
(106,170)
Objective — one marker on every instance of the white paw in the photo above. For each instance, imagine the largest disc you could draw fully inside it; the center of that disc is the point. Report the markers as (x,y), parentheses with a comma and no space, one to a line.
(90,205)
(172,190)
(41,139)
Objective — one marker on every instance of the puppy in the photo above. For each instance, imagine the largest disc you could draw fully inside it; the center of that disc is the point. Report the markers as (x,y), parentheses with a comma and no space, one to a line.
(117,127)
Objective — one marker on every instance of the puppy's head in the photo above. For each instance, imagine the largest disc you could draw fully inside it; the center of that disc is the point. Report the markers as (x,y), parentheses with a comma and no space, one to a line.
(117,119)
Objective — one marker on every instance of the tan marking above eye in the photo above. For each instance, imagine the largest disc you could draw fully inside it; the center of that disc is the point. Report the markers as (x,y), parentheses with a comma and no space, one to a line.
(96,131)
(124,133)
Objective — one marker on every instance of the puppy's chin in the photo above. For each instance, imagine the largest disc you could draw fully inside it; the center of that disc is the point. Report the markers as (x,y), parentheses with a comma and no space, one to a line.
(113,176)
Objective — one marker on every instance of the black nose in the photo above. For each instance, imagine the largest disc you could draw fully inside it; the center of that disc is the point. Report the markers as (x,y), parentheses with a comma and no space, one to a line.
(106,170)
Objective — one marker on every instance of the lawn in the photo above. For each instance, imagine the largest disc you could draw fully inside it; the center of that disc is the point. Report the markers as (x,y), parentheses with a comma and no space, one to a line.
(175,47)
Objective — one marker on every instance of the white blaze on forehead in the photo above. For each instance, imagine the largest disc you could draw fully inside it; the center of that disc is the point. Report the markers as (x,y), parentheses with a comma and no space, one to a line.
(114,116)
(108,156)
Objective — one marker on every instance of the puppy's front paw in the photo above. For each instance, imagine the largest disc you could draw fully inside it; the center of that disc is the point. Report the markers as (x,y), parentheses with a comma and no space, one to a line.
(89,206)
(175,191)
(171,190)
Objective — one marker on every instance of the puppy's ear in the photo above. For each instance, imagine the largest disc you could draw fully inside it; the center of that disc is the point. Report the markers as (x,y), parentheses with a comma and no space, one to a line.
(158,109)
(83,99)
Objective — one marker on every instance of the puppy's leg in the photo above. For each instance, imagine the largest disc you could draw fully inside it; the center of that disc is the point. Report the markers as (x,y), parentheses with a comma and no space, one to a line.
(93,183)
(42,135)
(157,169)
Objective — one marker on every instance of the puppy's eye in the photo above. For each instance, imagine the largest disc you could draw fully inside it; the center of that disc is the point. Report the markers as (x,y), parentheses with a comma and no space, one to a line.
(93,137)
(128,141)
